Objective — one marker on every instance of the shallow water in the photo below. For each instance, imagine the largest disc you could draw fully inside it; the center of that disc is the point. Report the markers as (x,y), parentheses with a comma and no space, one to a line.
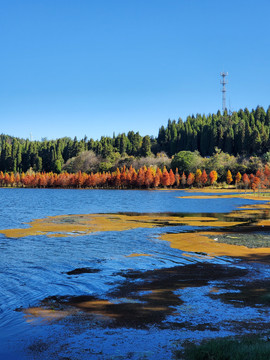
(36,268)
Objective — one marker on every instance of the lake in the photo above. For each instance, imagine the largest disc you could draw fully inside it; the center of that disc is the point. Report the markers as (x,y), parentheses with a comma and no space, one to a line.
(110,287)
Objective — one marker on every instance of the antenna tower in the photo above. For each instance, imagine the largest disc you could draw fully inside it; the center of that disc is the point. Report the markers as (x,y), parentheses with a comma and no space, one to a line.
(223,82)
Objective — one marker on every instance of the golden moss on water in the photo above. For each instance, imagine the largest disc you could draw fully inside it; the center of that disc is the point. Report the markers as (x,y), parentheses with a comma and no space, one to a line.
(76,225)
(201,242)
(255,197)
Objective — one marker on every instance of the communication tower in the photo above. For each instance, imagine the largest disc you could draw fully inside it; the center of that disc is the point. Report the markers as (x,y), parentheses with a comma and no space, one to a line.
(223,82)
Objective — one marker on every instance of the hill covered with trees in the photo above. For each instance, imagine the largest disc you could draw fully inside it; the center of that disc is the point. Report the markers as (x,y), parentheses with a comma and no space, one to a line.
(242,133)
(239,133)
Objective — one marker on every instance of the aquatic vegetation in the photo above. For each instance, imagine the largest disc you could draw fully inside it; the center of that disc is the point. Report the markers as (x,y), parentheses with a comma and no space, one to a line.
(206,242)
(243,348)
(76,225)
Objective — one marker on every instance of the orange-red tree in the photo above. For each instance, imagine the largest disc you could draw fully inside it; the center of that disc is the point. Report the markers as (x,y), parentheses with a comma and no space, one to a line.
(190,179)
(149,178)
(213,177)
(204,177)
(172,178)
(165,179)
(255,183)
(141,178)
(246,181)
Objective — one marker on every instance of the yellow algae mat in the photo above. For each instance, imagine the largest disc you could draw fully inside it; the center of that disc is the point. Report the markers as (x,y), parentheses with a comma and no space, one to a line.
(223,194)
(70,225)
(206,241)
(200,242)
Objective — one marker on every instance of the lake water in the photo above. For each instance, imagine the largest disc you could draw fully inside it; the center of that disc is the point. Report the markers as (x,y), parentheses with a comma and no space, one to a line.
(35,268)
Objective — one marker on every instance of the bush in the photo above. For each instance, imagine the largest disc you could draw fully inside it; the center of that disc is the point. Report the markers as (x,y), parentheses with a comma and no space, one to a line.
(187,161)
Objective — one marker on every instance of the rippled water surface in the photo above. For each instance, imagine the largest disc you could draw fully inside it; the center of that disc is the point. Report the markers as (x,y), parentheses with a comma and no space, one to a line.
(36,270)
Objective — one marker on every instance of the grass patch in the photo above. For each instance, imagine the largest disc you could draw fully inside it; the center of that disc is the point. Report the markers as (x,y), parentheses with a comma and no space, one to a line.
(245,348)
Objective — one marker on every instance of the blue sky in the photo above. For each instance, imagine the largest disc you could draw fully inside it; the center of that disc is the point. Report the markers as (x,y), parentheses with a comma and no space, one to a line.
(85,67)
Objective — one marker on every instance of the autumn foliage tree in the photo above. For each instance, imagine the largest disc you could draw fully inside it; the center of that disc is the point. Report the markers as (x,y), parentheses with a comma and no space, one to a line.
(183,179)
(238,178)
(204,178)
(190,179)
(123,178)
(165,179)
(213,177)
(149,178)
(229,177)
(177,178)
(172,178)
(255,183)
(198,177)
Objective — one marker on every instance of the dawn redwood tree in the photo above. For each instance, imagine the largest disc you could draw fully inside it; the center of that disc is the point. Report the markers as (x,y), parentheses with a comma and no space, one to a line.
(6,179)
(131,176)
(267,171)
(251,177)
(190,179)
(157,180)
(255,183)
(183,179)
(17,179)
(204,177)
(12,179)
(259,173)
(149,178)
(134,177)
(123,176)
(141,178)
(2,176)
(238,178)
(172,178)
(117,178)
(177,178)
(198,177)
(213,177)
(159,172)
(165,179)
(21,178)
(229,177)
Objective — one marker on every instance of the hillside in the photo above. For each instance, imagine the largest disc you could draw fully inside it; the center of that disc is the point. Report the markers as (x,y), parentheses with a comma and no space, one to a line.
(242,133)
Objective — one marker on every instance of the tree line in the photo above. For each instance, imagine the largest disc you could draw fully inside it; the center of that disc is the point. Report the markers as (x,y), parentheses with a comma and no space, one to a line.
(239,133)
(144,178)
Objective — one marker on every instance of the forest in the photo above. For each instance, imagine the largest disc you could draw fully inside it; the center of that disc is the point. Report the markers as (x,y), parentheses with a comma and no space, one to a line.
(243,134)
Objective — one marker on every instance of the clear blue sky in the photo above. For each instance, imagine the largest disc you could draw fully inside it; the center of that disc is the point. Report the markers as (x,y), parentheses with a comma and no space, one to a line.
(94,67)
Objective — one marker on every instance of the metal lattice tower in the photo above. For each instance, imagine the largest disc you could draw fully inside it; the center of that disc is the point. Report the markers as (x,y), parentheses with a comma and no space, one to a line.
(223,82)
